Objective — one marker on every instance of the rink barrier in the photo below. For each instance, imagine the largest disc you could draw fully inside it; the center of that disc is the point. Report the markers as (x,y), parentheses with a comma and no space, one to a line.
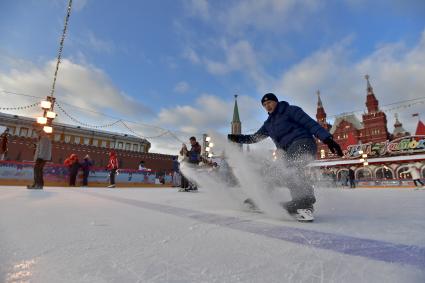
(373,183)
(383,251)
(13,173)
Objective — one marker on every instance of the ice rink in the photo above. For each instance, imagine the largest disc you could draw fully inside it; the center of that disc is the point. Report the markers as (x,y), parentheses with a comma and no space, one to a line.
(161,235)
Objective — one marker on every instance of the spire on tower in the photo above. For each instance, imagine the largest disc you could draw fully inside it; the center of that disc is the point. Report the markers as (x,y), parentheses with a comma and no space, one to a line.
(236,125)
(371,101)
(399,131)
(236,118)
(397,122)
(320,113)
(369,86)
(319,101)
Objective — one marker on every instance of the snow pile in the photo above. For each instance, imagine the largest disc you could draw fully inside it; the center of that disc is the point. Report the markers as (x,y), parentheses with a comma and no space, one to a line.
(257,176)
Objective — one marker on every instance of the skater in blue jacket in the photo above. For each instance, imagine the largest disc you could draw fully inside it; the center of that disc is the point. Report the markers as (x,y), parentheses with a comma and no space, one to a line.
(293,132)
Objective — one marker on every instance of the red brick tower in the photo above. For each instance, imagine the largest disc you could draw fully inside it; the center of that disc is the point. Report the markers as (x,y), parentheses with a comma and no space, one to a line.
(322,149)
(320,113)
(374,121)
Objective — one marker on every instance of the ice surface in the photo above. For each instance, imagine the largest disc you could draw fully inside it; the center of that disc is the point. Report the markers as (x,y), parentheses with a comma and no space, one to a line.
(161,235)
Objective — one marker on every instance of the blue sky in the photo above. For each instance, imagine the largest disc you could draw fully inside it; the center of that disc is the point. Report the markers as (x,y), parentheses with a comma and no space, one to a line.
(178,63)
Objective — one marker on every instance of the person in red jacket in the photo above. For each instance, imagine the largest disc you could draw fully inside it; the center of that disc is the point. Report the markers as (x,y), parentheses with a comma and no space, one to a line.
(112,167)
(73,165)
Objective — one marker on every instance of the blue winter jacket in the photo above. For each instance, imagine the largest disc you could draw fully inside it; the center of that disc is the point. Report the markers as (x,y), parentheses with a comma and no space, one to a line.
(286,124)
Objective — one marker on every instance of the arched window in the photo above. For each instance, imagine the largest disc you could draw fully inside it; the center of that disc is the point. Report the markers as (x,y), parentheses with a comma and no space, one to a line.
(384,173)
(363,174)
(401,174)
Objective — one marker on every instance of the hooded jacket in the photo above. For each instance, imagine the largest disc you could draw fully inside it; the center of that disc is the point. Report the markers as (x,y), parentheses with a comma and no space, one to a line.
(286,124)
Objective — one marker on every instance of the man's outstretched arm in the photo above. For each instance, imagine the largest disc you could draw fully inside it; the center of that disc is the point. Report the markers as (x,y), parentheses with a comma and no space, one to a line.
(260,135)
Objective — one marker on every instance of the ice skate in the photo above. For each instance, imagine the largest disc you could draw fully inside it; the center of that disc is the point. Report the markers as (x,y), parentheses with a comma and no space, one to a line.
(250,204)
(192,189)
(304,215)
(111,186)
(34,187)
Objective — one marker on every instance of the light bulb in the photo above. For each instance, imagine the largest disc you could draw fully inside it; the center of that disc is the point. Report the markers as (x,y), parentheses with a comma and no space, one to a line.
(48,129)
(42,120)
(46,104)
(51,114)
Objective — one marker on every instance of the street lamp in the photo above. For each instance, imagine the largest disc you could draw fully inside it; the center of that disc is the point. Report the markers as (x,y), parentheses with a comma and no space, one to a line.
(208,146)
(48,115)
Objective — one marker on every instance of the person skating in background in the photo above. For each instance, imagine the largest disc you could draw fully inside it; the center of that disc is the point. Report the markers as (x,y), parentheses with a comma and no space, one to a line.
(344,178)
(73,165)
(4,144)
(292,131)
(142,166)
(416,177)
(192,157)
(112,167)
(352,178)
(176,172)
(86,165)
(43,153)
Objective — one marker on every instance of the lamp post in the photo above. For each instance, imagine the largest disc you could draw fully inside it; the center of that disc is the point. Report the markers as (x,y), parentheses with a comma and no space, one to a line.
(48,115)
(208,145)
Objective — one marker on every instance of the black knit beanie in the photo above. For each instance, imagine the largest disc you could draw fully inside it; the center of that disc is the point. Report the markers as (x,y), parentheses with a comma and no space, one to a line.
(269,96)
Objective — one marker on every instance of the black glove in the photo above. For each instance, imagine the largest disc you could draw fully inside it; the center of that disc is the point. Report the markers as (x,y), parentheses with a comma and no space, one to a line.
(333,146)
(234,138)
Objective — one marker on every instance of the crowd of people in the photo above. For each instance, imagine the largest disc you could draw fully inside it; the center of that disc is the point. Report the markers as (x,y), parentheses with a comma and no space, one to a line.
(74,166)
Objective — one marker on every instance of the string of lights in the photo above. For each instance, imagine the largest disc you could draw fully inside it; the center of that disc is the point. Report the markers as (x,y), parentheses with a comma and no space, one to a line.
(164,131)
(143,137)
(20,107)
(86,124)
(61,43)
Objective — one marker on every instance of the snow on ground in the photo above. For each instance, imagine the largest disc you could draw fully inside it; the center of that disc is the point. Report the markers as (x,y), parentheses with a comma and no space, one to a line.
(161,235)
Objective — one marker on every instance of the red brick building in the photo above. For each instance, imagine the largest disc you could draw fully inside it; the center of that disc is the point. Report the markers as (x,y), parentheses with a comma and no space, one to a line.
(388,154)
(348,129)
(67,139)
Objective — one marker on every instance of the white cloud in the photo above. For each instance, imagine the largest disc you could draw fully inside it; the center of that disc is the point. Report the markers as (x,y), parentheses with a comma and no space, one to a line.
(209,112)
(81,85)
(182,87)
(78,5)
(99,44)
(396,72)
(92,42)
(238,57)
(192,56)
(236,17)
(198,8)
